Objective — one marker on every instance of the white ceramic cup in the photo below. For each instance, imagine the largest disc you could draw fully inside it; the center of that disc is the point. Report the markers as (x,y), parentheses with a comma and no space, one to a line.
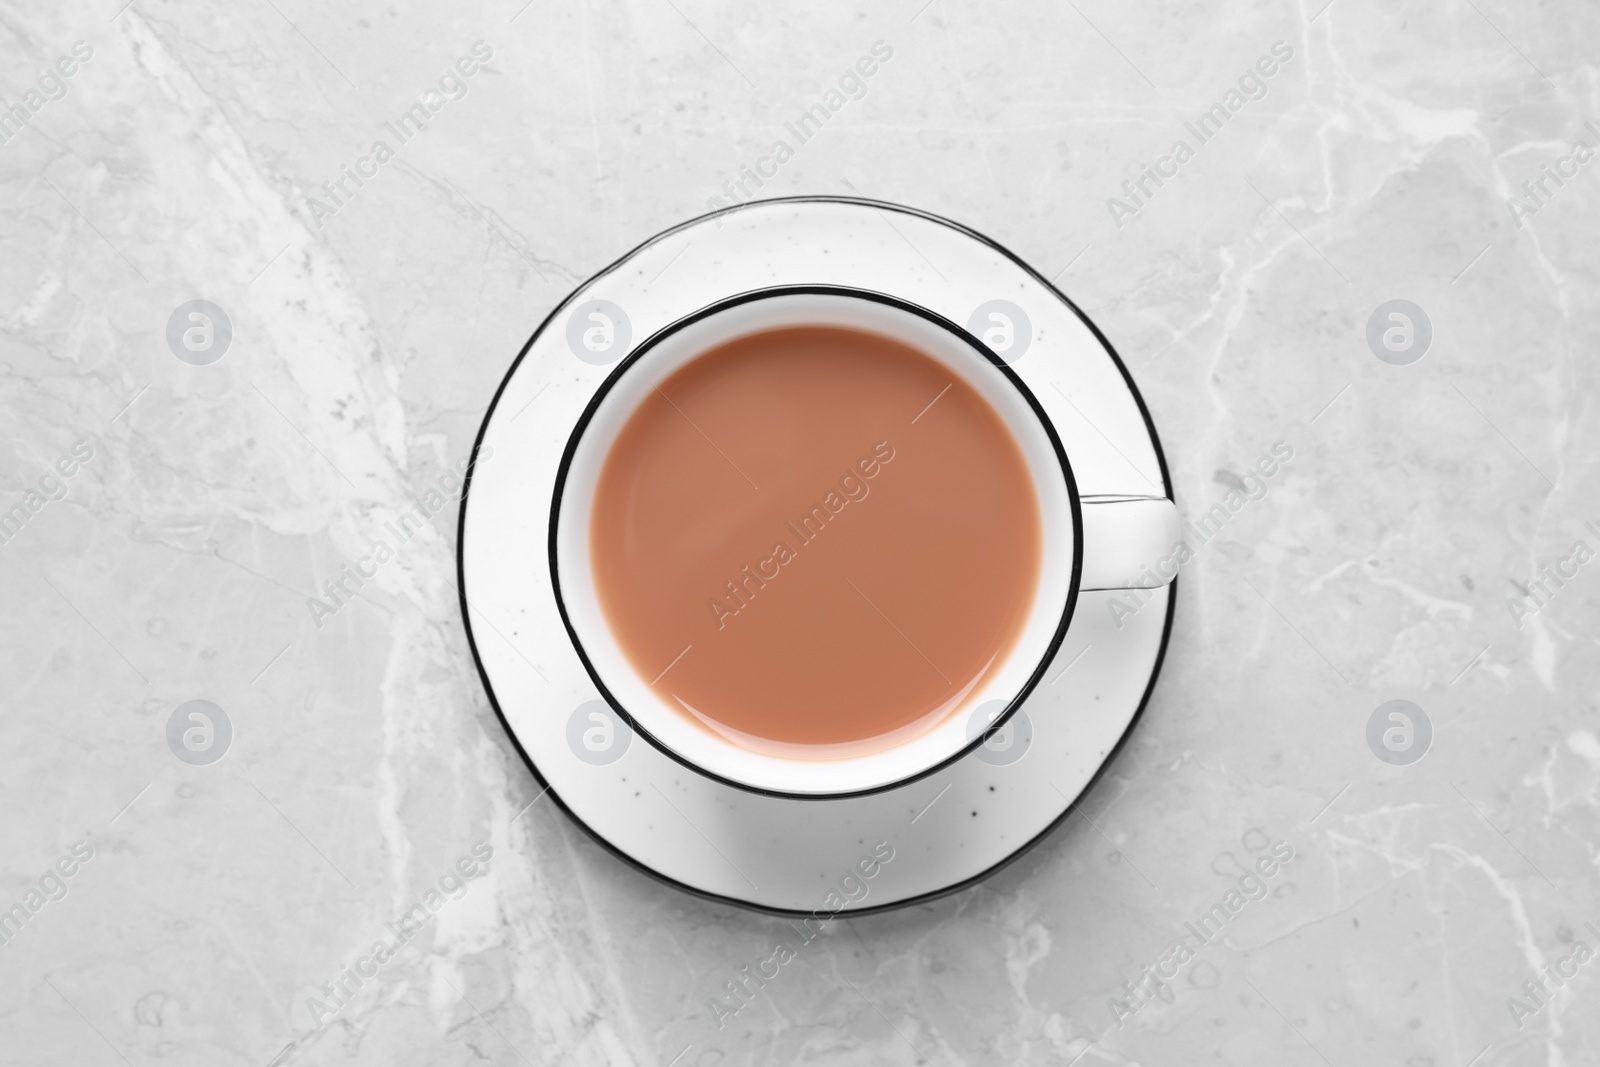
(1087,542)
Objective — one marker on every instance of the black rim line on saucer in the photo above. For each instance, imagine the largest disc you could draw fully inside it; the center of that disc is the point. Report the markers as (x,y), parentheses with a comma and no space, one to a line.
(1047,656)
(600,839)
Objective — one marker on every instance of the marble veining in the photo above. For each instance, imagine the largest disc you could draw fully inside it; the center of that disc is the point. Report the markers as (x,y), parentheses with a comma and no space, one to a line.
(304,899)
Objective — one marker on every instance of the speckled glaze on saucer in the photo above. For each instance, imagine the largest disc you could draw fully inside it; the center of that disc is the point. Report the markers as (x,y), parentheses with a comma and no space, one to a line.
(776,853)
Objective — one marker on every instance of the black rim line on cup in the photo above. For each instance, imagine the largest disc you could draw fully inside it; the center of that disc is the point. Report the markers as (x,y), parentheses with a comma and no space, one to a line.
(516,742)
(769,293)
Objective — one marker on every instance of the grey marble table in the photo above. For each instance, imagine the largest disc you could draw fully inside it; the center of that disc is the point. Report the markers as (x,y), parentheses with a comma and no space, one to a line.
(383,200)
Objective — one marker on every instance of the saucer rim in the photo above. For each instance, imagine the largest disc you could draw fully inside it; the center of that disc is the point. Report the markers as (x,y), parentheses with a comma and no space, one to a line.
(516,742)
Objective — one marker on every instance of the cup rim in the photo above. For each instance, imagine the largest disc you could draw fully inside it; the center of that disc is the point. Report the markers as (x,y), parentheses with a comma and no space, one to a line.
(1036,671)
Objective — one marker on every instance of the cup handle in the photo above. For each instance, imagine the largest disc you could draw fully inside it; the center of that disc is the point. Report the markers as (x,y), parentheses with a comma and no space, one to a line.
(1125,541)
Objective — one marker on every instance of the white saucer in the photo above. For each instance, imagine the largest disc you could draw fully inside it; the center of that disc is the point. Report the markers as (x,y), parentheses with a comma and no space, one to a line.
(776,854)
